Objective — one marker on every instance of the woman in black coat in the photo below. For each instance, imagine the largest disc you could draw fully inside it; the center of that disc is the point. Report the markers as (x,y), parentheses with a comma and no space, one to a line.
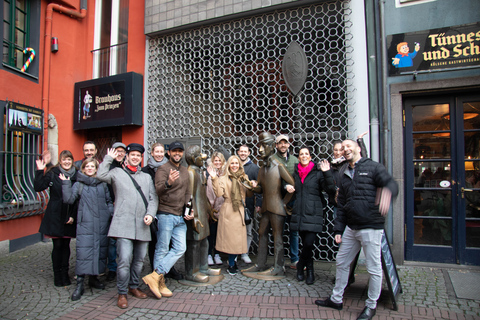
(58,223)
(95,208)
(307,217)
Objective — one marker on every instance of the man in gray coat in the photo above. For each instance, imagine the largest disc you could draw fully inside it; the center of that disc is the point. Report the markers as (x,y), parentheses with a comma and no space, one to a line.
(133,213)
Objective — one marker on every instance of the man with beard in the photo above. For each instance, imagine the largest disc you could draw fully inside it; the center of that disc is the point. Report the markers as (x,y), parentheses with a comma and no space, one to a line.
(172,186)
(89,151)
(365,191)
(131,219)
(290,162)
(253,203)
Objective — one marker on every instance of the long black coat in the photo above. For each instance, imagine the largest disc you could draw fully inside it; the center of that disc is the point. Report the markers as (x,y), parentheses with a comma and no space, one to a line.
(94,211)
(57,212)
(308,208)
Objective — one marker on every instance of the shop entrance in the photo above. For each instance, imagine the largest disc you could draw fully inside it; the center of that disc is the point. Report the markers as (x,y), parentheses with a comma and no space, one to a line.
(442,178)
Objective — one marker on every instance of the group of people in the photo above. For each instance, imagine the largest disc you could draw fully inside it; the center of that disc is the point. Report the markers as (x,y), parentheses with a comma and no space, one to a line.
(98,204)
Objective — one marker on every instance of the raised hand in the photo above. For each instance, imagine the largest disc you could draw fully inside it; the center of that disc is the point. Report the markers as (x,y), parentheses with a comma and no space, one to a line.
(324,165)
(63,177)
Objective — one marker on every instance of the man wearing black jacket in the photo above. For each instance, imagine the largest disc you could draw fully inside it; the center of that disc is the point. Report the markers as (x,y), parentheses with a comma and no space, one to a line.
(365,191)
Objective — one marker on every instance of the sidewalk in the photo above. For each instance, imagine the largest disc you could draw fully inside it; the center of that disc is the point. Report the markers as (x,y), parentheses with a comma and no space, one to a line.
(27,292)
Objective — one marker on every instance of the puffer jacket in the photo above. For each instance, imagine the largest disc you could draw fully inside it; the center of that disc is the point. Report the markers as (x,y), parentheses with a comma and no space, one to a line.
(356,197)
(308,208)
(94,211)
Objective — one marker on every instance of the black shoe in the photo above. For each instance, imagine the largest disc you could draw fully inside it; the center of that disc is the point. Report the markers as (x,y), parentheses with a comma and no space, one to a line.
(111,275)
(329,303)
(57,279)
(367,313)
(174,274)
(93,282)
(79,290)
(232,270)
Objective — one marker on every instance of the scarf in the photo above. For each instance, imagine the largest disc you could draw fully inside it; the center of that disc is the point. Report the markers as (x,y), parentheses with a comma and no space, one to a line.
(70,173)
(235,194)
(131,168)
(154,164)
(304,171)
(338,160)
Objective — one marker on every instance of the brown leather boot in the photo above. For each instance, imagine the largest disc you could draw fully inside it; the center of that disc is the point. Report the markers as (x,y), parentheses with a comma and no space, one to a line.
(122,301)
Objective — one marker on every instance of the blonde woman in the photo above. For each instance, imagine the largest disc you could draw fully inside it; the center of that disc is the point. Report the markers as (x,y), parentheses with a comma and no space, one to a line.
(218,163)
(232,232)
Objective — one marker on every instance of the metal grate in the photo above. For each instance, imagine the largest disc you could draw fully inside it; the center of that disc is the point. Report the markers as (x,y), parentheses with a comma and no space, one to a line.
(223,84)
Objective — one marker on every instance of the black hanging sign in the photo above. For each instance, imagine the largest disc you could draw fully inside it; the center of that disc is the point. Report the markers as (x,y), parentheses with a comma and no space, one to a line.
(107,102)
(437,49)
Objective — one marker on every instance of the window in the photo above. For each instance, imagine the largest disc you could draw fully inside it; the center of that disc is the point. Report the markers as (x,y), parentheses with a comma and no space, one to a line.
(15,32)
(111,38)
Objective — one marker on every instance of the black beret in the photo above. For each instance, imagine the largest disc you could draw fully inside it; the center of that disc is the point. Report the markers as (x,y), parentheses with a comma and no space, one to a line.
(135,147)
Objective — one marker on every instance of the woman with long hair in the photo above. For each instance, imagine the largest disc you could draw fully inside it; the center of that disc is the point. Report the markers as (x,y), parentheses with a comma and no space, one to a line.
(232,232)
(58,223)
(218,163)
(307,217)
(95,208)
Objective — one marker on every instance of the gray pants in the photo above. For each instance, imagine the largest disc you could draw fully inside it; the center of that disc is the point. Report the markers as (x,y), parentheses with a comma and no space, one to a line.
(352,241)
(131,254)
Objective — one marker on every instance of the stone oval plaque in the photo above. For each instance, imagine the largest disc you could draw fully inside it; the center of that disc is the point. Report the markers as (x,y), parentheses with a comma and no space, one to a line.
(295,67)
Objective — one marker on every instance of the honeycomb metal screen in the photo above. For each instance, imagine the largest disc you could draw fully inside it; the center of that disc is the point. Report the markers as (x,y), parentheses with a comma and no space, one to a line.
(223,84)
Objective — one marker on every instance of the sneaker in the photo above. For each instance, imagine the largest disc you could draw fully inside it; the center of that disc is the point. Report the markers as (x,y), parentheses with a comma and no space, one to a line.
(218,260)
(210,260)
(246,258)
(232,270)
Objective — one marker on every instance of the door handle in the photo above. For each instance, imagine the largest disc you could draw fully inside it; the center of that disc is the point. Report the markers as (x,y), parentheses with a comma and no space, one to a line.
(463,191)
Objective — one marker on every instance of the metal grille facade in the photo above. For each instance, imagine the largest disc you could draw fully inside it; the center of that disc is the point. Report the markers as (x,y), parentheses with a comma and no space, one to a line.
(223,84)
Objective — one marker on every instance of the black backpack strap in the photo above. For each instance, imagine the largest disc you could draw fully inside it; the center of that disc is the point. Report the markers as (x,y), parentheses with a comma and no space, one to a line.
(139,189)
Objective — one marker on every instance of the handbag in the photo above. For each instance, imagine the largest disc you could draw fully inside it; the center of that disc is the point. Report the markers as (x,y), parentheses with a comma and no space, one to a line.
(247,215)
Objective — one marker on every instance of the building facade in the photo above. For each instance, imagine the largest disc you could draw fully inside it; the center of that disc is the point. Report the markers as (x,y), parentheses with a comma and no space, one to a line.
(49,47)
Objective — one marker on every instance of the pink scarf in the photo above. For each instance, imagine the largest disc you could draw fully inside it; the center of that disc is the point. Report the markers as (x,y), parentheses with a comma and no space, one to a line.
(303,171)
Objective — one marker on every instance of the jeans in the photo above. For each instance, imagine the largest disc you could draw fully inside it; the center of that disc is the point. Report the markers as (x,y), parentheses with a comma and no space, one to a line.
(352,241)
(112,254)
(170,228)
(131,254)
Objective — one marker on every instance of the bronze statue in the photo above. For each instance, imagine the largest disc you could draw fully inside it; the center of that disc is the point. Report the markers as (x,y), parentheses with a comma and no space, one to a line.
(270,177)
(196,255)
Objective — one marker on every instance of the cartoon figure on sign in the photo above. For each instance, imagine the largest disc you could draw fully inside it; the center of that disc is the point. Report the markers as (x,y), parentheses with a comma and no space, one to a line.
(403,58)
(87,99)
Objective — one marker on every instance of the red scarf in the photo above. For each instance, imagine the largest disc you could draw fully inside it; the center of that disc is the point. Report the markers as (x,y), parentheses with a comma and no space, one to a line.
(304,171)
(132,168)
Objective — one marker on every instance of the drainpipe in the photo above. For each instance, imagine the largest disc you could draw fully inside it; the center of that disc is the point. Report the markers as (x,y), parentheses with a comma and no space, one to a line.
(46,46)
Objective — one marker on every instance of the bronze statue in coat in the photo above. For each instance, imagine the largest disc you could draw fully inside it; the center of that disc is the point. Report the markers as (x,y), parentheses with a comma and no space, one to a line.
(271,176)
(196,255)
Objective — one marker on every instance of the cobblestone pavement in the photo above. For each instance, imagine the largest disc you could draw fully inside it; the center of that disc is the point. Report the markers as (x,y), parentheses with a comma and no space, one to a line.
(27,292)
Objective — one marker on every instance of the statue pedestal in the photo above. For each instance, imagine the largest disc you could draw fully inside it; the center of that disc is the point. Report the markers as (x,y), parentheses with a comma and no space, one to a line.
(211,281)
(259,276)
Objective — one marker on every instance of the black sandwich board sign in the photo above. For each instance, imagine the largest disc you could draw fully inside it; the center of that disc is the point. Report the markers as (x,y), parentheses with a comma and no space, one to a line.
(389,271)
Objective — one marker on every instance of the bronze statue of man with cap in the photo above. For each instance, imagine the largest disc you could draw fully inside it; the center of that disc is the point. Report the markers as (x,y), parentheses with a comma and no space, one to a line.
(273,213)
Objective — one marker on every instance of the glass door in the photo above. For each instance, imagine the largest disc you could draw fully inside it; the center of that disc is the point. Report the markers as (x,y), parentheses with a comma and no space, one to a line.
(442,179)
(468,118)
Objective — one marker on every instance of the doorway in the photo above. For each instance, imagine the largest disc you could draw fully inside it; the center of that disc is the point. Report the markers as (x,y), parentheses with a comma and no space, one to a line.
(442,178)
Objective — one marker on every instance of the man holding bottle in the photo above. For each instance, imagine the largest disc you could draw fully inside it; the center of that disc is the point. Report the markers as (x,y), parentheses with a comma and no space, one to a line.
(171,184)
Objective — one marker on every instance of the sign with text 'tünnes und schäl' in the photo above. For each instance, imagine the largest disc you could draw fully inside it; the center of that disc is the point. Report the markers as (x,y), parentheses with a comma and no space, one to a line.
(437,49)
